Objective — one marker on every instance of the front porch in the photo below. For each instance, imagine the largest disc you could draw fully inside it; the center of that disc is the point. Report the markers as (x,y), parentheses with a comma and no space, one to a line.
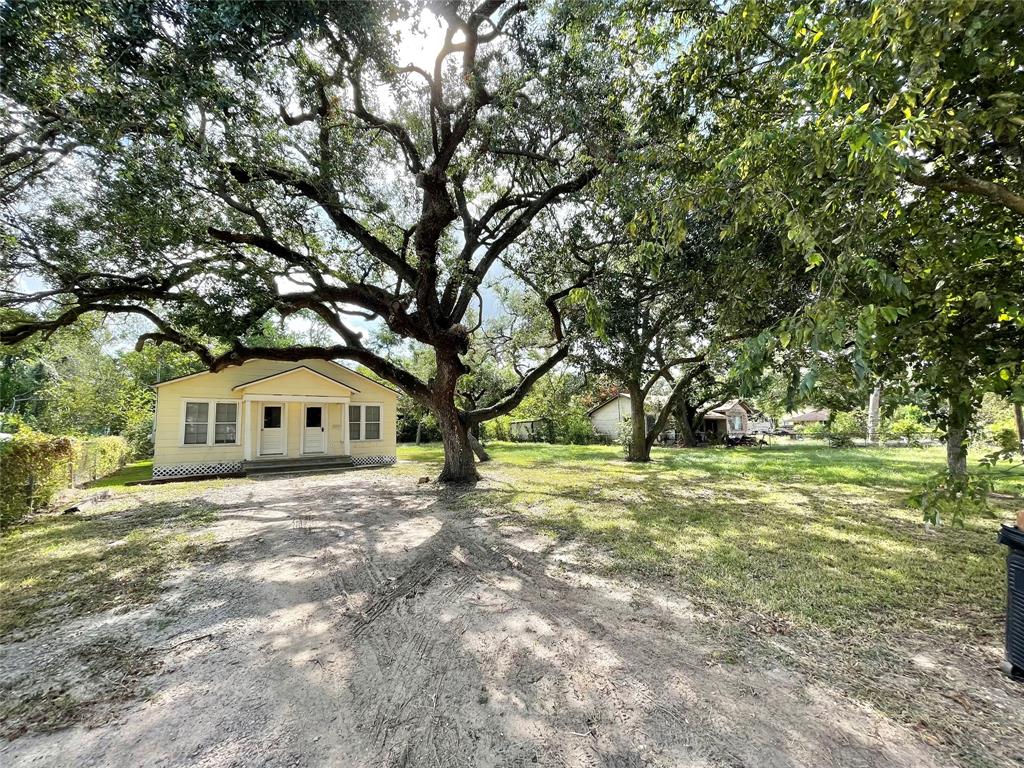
(294,426)
(299,415)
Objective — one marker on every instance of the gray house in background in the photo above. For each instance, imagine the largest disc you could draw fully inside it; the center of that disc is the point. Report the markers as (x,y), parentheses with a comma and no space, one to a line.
(809,416)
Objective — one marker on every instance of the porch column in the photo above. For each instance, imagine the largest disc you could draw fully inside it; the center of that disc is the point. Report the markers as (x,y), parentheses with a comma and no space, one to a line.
(346,448)
(247,431)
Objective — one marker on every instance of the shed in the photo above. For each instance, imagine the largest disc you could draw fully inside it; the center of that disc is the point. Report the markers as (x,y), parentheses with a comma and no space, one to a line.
(606,418)
(530,430)
(731,418)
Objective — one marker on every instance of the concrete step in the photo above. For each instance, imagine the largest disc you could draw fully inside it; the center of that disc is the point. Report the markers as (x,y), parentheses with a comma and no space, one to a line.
(295,464)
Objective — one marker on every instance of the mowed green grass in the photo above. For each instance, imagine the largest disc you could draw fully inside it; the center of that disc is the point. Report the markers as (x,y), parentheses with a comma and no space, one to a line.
(816,536)
(135,472)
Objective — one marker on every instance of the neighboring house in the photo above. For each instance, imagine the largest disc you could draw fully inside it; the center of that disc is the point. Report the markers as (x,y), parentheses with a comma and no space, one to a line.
(264,413)
(813,416)
(607,417)
(731,418)
(530,430)
(761,424)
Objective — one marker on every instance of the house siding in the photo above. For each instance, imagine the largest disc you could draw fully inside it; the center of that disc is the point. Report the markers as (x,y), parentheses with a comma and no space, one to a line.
(607,420)
(732,414)
(169,451)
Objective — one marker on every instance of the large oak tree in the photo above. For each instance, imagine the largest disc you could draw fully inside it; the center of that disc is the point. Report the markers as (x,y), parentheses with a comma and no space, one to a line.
(225,163)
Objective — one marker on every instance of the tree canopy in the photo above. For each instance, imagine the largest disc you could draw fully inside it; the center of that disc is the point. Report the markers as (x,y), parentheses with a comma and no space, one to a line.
(881,141)
(254,160)
(796,185)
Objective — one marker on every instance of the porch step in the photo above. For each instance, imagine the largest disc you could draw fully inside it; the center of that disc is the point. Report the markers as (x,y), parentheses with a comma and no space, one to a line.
(295,464)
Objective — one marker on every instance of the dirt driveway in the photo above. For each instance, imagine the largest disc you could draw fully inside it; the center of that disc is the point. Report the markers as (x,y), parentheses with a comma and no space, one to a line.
(357,620)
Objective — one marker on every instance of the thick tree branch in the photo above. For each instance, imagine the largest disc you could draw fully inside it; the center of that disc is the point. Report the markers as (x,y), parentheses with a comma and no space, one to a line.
(970,185)
(506,404)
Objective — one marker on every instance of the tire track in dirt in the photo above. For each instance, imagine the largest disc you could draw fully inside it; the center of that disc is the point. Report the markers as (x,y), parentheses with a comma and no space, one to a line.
(359,622)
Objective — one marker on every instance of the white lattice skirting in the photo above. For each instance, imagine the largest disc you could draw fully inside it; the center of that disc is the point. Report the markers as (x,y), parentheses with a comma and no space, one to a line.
(197,470)
(372,461)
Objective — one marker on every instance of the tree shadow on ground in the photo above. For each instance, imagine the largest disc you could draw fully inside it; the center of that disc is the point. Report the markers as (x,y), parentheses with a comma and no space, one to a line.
(399,627)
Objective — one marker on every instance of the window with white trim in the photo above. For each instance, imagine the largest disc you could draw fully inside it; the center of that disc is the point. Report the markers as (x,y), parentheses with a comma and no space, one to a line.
(197,423)
(371,415)
(364,422)
(225,428)
(210,422)
(355,421)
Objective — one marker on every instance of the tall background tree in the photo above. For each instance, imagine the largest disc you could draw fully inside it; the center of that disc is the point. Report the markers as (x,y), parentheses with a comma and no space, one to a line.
(666,307)
(883,142)
(243,162)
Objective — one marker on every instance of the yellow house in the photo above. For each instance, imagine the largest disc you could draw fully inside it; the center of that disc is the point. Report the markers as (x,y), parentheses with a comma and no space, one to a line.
(272,415)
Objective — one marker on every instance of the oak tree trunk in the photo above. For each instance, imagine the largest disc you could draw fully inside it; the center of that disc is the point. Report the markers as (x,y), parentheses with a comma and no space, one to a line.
(874,413)
(685,436)
(419,431)
(638,448)
(459,464)
(1018,415)
(478,448)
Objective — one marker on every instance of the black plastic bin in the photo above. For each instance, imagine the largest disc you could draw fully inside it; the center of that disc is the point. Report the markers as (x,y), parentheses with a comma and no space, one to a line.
(1014,539)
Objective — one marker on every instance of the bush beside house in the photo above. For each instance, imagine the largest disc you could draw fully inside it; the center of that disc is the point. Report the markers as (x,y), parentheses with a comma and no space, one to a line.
(35,467)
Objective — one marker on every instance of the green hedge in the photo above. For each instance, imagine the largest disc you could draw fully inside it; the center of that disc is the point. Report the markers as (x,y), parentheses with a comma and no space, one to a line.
(35,467)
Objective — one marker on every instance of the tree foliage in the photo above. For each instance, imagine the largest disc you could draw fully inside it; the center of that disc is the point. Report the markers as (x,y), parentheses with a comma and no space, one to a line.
(252,161)
(883,141)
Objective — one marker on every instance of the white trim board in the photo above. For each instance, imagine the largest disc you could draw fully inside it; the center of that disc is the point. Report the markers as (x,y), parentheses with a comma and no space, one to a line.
(294,399)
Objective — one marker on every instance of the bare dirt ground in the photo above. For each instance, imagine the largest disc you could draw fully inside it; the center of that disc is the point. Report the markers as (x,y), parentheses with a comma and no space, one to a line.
(358,619)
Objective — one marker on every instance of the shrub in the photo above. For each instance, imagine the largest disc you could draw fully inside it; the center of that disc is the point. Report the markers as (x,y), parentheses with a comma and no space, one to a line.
(12,422)
(908,421)
(843,428)
(815,429)
(35,466)
(99,456)
(497,429)
(576,429)
(1004,435)
(626,434)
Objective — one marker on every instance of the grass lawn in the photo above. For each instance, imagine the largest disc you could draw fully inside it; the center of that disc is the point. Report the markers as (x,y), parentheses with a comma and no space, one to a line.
(798,532)
(135,472)
(796,556)
(107,556)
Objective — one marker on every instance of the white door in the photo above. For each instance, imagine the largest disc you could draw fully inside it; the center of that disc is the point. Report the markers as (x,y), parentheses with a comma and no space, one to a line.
(314,438)
(272,431)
